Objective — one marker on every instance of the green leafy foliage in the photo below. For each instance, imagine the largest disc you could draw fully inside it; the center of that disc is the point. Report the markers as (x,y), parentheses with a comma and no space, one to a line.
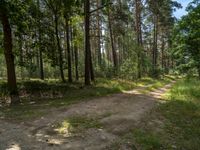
(188,42)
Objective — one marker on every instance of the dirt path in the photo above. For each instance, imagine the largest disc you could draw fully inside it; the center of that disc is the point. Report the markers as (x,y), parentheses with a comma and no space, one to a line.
(116,113)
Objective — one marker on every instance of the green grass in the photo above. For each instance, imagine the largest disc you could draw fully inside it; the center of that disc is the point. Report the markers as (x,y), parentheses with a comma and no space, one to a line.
(151,140)
(175,124)
(35,106)
(153,84)
(76,125)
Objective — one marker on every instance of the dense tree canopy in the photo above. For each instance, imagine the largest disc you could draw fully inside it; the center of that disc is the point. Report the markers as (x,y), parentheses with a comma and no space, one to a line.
(87,39)
(186,40)
(99,74)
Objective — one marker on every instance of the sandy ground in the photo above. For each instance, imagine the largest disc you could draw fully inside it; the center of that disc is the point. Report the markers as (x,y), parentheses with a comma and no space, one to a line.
(118,113)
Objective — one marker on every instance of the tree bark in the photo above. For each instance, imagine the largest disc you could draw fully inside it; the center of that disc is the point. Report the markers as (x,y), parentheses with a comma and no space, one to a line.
(114,54)
(41,65)
(68,52)
(162,52)
(7,43)
(91,68)
(40,45)
(21,61)
(59,49)
(155,50)
(87,43)
(138,33)
(99,35)
(76,63)
(76,54)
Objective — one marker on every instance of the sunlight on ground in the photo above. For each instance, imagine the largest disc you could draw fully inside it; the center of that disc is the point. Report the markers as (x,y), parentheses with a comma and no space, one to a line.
(153,91)
(55,141)
(64,128)
(174,124)
(132,92)
(14,146)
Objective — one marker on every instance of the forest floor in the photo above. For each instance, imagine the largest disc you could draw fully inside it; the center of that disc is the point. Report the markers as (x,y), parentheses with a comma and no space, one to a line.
(99,123)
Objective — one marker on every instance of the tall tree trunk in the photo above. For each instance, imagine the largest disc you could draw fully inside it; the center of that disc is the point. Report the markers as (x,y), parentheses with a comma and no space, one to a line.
(138,10)
(40,45)
(91,68)
(155,51)
(68,52)
(41,65)
(76,54)
(37,59)
(87,44)
(21,62)
(7,43)
(76,62)
(114,54)
(72,47)
(59,49)
(162,52)
(99,35)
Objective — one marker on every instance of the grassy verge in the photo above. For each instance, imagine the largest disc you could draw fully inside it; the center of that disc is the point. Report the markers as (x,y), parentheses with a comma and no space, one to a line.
(75,125)
(175,123)
(36,106)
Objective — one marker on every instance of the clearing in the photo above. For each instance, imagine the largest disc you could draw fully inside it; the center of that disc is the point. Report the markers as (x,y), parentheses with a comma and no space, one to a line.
(91,125)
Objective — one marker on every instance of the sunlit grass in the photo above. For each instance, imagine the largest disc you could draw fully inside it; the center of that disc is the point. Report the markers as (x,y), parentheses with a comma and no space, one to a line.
(35,106)
(64,128)
(76,125)
(153,84)
(174,124)
(187,90)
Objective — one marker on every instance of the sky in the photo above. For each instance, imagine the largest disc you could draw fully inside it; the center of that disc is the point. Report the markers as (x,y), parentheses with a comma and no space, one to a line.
(181,12)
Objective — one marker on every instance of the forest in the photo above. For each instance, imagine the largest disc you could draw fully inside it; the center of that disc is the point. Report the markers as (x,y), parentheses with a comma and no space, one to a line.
(99,75)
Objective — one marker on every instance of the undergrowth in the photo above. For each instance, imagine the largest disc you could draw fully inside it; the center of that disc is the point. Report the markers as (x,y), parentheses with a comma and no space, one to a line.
(36,105)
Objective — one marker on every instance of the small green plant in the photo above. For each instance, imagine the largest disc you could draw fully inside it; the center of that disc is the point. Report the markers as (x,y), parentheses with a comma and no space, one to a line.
(76,124)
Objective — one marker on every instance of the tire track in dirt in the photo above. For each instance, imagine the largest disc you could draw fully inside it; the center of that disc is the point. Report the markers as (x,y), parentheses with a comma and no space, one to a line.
(118,113)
